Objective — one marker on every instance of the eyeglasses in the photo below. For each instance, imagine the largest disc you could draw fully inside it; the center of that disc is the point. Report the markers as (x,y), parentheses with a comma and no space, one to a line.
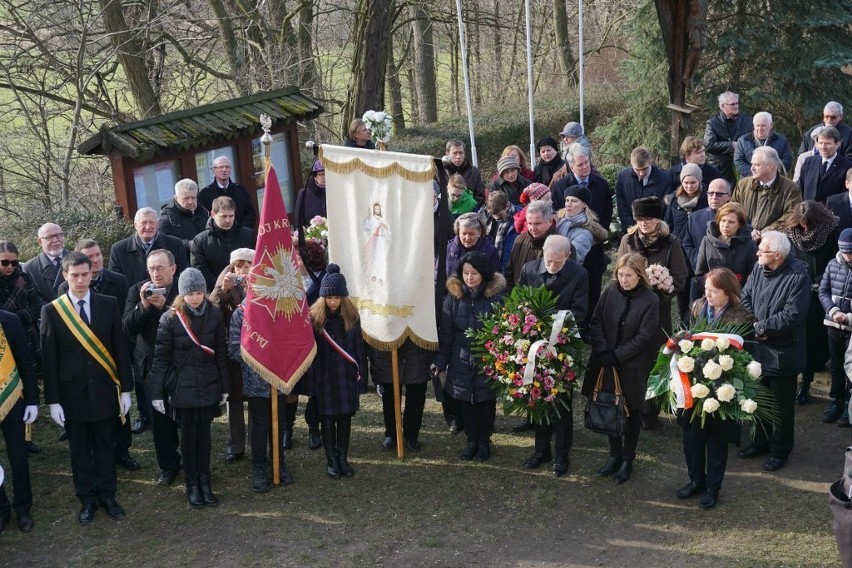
(153,269)
(759,251)
(731,104)
(52,237)
(6,262)
(717,193)
(831,116)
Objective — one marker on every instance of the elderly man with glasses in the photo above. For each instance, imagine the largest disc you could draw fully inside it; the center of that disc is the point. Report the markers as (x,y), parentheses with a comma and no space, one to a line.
(832,115)
(222,185)
(45,269)
(722,132)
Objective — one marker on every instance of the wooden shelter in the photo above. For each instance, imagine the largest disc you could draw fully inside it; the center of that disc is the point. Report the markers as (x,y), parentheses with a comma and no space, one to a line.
(149,156)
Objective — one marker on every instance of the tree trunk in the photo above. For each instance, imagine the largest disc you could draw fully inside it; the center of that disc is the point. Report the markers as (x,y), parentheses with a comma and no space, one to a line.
(424,67)
(304,39)
(563,42)
(369,63)
(131,58)
(498,56)
(395,90)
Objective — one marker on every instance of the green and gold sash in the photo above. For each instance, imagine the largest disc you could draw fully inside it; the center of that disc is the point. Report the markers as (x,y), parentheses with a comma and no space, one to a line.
(11,388)
(88,340)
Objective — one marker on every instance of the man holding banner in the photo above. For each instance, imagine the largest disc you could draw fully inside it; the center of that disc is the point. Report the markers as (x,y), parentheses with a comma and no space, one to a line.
(87,380)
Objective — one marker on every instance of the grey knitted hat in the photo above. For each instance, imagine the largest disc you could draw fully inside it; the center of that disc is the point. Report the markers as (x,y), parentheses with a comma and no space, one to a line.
(191,280)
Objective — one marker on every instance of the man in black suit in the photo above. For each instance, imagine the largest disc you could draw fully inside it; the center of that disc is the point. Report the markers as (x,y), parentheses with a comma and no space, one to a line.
(24,411)
(45,269)
(211,249)
(144,305)
(128,257)
(569,282)
(222,185)
(641,179)
(182,217)
(87,381)
(841,204)
(109,283)
(824,175)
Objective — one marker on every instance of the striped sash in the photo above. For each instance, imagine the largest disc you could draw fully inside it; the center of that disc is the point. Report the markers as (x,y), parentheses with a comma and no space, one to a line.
(11,388)
(342,352)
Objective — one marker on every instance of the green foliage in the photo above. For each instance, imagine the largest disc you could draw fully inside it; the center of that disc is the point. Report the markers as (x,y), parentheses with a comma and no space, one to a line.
(106,227)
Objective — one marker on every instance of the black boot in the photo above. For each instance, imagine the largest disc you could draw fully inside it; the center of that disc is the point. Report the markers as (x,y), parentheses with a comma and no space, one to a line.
(260,477)
(287,439)
(344,432)
(193,494)
(290,410)
(804,394)
(623,473)
(470,450)
(610,467)
(284,474)
(206,493)
(329,440)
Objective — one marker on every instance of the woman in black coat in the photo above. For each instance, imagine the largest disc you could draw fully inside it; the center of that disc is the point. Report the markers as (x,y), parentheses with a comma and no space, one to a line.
(473,290)
(202,377)
(623,332)
(727,244)
(706,447)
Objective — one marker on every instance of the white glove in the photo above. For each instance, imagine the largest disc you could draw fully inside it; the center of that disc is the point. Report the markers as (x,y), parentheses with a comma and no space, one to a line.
(30,413)
(224,398)
(125,403)
(159,406)
(57,414)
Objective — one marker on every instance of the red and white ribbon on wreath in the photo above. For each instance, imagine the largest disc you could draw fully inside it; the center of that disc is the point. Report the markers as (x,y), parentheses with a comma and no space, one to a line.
(342,352)
(681,383)
(558,322)
(191,334)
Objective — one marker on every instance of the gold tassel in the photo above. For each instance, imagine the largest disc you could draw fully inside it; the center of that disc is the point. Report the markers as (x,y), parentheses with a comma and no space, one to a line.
(271,377)
(383,172)
(397,343)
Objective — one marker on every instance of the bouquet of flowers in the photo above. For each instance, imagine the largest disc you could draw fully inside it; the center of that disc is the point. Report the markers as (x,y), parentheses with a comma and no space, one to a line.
(710,373)
(660,280)
(317,230)
(530,353)
(380,124)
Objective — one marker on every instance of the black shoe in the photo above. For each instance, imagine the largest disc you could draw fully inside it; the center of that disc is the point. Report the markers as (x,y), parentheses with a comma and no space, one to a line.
(63,436)
(314,440)
(413,445)
(469,451)
(86,514)
(610,467)
(843,421)
(832,413)
(112,508)
(128,462)
(483,453)
(709,499)
(623,473)
(287,439)
(167,477)
(284,476)
(804,394)
(774,464)
(560,467)
(689,490)
(234,458)
(260,477)
(140,425)
(33,448)
(752,452)
(25,522)
(193,494)
(535,460)
(343,466)
(522,426)
(388,443)
(207,495)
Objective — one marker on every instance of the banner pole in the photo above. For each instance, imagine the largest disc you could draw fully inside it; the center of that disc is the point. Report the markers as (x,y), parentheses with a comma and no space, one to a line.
(397,403)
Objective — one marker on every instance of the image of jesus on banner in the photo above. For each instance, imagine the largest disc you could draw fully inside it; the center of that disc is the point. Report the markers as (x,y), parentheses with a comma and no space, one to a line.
(375,251)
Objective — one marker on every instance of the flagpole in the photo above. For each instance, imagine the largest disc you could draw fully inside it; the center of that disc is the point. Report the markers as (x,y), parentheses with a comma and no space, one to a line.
(463,48)
(533,157)
(397,403)
(582,65)
(266,139)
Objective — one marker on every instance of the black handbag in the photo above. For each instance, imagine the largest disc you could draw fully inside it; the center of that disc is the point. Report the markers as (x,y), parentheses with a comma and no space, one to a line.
(606,412)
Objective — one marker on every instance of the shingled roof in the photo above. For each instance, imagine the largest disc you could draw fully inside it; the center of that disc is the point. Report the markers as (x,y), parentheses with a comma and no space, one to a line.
(201,126)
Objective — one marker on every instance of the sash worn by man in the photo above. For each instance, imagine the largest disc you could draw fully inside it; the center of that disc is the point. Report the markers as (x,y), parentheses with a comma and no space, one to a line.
(87,381)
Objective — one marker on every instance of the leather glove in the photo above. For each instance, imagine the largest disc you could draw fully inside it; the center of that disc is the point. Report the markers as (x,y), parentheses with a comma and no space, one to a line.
(607,359)
(159,406)
(57,414)
(125,403)
(30,413)
(224,398)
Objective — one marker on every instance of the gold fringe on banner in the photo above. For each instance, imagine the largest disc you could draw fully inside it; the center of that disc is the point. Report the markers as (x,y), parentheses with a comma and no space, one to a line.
(274,380)
(397,343)
(384,172)
(383,310)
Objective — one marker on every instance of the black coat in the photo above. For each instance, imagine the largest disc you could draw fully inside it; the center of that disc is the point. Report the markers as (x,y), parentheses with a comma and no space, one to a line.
(841,206)
(19,295)
(72,377)
(845,139)
(709,172)
(309,203)
(601,202)
(720,134)
(544,171)
(739,255)
(46,276)
(211,249)
(819,188)
(128,256)
(512,190)
(628,189)
(181,223)
(626,324)
(746,146)
(245,214)
(461,311)
(201,378)
(570,285)
(677,217)
(140,324)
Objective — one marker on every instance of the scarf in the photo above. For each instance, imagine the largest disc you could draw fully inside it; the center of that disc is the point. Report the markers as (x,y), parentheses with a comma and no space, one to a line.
(686,202)
(13,292)
(811,239)
(199,311)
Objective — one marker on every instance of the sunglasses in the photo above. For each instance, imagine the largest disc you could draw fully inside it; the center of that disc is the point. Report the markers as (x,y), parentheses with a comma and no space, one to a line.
(6,262)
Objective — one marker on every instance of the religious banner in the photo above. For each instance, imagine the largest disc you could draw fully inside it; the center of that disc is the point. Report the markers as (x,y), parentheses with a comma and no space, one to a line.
(11,388)
(380,222)
(276,340)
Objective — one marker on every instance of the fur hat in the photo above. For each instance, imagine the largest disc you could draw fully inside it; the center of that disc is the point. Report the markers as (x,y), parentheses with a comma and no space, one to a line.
(693,170)
(580,192)
(242,254)
(572,130)
(533,191)
(333,283)
(479,262)
(507,163)
(648,208)
(844,243)
(191,280)
(547,141)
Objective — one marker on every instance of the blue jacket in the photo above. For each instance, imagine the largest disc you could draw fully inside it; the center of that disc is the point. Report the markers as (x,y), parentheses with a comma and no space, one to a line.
(455,250)
(835,288)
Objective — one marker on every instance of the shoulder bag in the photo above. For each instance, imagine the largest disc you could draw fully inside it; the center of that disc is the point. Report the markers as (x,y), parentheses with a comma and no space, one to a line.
(606,412)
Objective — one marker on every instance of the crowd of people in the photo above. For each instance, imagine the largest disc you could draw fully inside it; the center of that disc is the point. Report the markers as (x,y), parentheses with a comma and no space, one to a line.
(744,238)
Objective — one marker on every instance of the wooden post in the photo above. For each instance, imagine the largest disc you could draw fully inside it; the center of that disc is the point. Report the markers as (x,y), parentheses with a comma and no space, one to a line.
(397,403)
